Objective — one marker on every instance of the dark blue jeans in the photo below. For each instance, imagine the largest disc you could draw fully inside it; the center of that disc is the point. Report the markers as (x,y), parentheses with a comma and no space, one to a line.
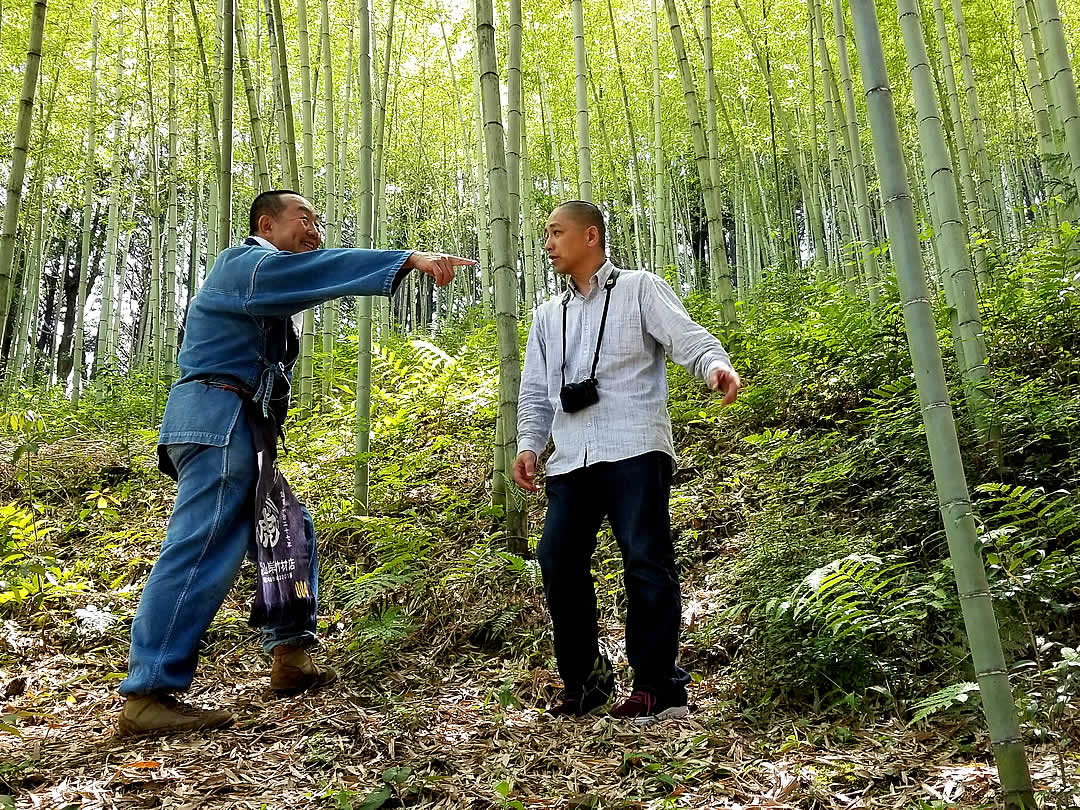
(633,495)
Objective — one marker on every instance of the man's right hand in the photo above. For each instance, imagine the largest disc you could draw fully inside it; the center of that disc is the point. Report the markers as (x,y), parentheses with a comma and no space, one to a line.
(525,470)
(439,266)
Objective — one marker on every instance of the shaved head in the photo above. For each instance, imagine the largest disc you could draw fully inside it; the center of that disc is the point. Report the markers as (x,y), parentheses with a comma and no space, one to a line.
(585,214)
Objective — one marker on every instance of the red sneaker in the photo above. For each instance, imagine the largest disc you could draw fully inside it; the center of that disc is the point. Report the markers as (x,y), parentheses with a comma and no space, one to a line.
(645,706)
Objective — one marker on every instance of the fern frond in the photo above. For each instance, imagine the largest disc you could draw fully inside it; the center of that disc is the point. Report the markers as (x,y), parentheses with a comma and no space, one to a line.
(943,699)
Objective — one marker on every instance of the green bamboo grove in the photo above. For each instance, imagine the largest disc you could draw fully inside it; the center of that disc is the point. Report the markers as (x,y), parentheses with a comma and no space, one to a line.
(919,146)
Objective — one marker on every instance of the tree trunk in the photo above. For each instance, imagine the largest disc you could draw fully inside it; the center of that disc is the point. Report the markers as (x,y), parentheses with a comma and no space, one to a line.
(104,354)
(290,171)
(989,210)
(581,92)
(1061,77)
(482,223)
(817,223)
(13,200)
(170,370)
(960,530)
(862,195)
(364,224)
(513,132)
(848,258)
(88,216)
(720,277)
(549,133)
(661,256)
(717,253)
(949,233)
(506,298)
(528,216)
(258,141)
(967,176)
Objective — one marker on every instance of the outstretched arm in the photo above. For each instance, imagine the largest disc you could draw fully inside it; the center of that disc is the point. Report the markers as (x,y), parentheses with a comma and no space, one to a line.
(689,344)
(285,283)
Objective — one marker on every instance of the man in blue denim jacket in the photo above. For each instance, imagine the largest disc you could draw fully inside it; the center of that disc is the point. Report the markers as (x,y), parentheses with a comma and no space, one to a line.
(240,343)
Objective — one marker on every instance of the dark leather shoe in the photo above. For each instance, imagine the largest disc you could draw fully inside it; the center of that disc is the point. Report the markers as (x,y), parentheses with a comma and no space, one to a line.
(591,698)
(164,714)
(294,671)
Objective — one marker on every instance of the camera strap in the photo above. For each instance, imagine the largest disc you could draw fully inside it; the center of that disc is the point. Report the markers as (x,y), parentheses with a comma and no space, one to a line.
(603,321)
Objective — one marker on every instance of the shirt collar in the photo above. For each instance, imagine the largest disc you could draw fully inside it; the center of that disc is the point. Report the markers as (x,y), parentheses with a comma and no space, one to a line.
(263,242)
(598,280)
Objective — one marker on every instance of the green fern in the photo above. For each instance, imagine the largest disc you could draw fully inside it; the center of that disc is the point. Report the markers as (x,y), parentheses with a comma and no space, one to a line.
(953,695)
(374,637)
(363,592)
(860,595)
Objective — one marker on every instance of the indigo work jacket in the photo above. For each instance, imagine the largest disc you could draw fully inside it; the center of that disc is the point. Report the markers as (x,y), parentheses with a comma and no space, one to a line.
(239,332)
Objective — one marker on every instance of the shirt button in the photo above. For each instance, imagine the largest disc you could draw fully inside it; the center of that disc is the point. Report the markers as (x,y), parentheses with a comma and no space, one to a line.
(588,424)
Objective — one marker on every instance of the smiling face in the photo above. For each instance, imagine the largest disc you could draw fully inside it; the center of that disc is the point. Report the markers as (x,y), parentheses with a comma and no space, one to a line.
(571,244)
(294,228)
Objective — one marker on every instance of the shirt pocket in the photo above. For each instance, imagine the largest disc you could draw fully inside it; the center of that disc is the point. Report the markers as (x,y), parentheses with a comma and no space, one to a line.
(624,335)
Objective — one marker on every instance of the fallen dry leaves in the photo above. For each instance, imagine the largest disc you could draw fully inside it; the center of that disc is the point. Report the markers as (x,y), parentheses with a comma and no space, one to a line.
(446,742)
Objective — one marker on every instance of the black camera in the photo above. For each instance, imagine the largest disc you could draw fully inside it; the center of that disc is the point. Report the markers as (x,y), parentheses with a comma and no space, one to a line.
(579,396)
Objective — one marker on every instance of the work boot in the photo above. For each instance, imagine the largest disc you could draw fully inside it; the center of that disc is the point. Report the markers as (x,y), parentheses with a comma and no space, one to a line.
(164,714)
(294,671)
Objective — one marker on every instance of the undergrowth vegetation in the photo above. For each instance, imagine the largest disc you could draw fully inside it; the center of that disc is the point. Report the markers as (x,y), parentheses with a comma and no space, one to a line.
(815,567)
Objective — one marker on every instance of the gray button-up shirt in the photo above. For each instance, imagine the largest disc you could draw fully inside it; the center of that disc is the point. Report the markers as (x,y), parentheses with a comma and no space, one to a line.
(645,320)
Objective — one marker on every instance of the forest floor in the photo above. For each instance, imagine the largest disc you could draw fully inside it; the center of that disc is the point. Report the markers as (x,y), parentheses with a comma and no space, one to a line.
(451,724)
(441,738)
(447,713)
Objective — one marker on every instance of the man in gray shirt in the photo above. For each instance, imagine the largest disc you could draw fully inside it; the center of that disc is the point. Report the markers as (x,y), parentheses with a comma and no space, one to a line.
(595,380)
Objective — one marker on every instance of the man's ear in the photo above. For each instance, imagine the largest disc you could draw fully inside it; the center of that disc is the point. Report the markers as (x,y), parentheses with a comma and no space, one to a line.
(592,236)
(264,223)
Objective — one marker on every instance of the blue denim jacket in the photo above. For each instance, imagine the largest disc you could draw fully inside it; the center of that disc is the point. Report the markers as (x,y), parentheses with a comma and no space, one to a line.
(239,331)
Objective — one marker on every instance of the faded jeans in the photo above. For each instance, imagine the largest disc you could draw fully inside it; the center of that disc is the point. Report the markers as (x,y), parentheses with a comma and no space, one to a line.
(211,530)
(633,495)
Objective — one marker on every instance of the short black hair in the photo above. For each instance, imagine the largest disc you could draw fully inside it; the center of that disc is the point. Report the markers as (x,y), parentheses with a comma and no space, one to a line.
(269,202)
(586,213)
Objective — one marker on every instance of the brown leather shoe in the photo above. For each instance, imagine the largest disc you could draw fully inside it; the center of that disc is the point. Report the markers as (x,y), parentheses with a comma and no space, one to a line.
(294,671)
(164,714)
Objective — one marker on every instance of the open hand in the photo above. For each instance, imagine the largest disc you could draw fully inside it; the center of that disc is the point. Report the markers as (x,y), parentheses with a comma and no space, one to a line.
(440,266)
(525,470)
(727,380)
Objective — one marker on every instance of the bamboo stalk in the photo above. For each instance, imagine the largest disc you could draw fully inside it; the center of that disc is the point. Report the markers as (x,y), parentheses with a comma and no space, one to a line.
(937,415)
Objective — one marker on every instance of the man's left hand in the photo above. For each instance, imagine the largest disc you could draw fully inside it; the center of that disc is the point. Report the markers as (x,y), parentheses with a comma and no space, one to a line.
(726,380)
(439,266)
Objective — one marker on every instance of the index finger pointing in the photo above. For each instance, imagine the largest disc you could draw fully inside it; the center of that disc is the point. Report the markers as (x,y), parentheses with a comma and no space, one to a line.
(458,261)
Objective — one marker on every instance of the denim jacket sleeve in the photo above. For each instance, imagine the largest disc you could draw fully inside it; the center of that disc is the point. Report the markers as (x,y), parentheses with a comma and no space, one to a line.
(283,283)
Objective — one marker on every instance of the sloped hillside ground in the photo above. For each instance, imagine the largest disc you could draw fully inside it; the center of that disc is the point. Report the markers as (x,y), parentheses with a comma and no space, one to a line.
(821,625)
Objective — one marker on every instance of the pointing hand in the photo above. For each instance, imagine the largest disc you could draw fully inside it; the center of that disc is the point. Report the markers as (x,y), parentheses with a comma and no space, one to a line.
(439,266)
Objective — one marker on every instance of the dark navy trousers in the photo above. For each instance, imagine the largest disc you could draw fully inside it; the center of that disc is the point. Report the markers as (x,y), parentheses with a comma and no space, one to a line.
(633,494)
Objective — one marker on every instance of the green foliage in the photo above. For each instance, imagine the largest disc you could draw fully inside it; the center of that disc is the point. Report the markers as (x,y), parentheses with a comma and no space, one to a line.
(396,783)
(29,575)
(842,580)
(957,694)
(1032,548)
(860,596)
